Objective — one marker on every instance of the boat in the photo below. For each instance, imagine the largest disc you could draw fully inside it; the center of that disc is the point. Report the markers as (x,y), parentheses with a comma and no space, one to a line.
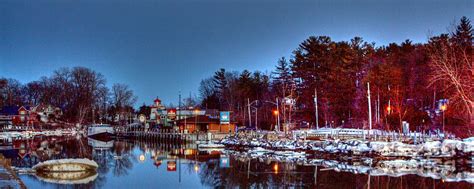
(100,131)
(82,177)
(66,165)
(211,145)
(99,144)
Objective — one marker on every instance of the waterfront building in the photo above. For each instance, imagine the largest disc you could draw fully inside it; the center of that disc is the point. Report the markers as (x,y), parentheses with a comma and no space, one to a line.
(26,115)
(203,123)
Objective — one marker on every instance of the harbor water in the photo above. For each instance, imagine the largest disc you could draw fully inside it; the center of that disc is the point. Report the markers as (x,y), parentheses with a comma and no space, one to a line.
(152,164)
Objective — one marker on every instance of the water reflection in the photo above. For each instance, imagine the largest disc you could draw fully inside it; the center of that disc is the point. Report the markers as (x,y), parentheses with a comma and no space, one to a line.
(134,164)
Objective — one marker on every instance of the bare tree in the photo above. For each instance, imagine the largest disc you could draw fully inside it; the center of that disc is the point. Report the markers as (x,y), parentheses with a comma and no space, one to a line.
(452,68)
(86,84)
(122,97)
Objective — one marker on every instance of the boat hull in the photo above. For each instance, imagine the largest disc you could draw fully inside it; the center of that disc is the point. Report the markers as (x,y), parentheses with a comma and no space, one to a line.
(66,165)
(103,136)
(80,177)
(103,133)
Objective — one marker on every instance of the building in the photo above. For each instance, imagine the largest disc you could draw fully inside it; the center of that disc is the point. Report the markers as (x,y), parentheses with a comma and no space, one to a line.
(204,123)
(26,115)
(158,114)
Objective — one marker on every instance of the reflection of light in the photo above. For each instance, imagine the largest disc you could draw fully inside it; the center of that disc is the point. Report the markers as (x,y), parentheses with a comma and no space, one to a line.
(141,158)
(196,168)
(224,161)
(275,168)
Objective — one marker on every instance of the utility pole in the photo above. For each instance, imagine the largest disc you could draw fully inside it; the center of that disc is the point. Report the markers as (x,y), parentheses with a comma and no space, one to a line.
(179,105)
(250,116)
(316,107)
(278,116)
(256,116)
(378,106)
(370,108)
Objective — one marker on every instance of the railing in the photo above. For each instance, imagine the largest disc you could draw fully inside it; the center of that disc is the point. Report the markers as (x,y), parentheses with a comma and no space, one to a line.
(158,134)
(371,135)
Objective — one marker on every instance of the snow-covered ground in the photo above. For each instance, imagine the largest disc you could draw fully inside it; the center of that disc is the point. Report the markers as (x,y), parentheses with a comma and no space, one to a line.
(443,148)
(29,134)
(393,168)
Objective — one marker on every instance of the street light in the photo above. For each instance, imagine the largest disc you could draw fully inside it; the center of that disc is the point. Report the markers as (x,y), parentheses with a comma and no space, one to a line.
(256,115)
(278,114)
(389,109)
(444,107)
(275,112)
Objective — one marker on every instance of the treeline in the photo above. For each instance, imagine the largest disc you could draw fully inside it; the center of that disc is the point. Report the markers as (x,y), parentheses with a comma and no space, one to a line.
(80,93)
(406,80)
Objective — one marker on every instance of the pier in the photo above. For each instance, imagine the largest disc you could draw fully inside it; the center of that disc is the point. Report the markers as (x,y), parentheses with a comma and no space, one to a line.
(171,136)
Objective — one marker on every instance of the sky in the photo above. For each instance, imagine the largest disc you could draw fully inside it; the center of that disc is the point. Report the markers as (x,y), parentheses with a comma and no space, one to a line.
(165,47)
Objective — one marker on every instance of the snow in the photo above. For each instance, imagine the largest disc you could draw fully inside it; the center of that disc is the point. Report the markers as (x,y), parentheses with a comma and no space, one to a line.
(67,164)
(30,134)
(429,168)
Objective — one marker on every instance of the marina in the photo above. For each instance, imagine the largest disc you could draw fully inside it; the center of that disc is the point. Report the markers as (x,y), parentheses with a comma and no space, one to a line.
(186,165)
(330,94)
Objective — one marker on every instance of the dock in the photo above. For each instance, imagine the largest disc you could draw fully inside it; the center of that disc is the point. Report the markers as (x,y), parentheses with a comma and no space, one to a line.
(176,137)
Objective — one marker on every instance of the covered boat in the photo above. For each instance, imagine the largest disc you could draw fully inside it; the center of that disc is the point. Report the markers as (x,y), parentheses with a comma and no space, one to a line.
(211,145)
(81,177)
(100,131)
(66,165)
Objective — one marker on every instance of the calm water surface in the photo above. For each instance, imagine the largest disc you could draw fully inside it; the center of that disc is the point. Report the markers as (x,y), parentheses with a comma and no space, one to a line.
(133,164)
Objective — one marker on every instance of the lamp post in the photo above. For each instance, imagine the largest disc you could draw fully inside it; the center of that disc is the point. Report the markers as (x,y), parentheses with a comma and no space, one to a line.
(256,115)
(278,115)
(443,108)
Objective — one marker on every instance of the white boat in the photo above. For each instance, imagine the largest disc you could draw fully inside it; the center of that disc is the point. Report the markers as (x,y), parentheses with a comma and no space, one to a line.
(66,165)
(82,177)
(100,131)
(211,145)
(66,171)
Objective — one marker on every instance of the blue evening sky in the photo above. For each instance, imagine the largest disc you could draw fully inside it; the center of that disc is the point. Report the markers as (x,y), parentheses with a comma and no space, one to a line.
(162,47)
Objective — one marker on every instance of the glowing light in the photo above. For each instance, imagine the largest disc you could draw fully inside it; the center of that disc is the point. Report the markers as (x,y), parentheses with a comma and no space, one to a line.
(275,112)
(444,107)
(389,108)
(141,158)
(275,168)
(196,168)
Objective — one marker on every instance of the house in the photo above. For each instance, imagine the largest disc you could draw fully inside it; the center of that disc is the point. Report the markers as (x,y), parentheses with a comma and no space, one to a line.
(26,115)
(19,115)
(203,123)
(158,113)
